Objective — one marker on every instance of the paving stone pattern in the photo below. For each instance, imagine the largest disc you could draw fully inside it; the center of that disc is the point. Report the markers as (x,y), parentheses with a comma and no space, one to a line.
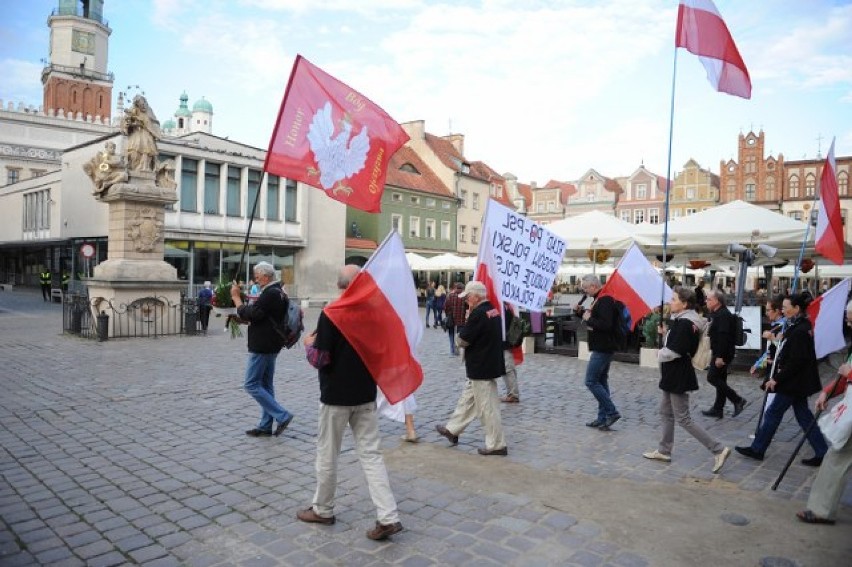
(133,452)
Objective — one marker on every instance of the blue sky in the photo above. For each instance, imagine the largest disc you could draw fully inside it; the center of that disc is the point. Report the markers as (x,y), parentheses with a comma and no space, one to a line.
(542,89)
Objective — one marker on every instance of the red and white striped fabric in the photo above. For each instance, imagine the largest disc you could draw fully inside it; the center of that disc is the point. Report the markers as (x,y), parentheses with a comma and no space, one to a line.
(379,317)
(828,315)
(637,285)
(703,32)
(829,228)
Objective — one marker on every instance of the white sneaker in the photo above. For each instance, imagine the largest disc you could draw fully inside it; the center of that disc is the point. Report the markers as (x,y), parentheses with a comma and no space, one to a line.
(720,458)
(657,456)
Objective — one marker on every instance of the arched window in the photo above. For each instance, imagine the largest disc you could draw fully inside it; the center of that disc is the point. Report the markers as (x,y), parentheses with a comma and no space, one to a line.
(810,185)
(794,186)
(769,189)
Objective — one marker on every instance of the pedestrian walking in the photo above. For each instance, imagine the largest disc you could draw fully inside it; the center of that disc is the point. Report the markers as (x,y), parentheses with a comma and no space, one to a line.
(482,340)
(264,344)
(677,378)
(347,397)
(722,349)
(600,321)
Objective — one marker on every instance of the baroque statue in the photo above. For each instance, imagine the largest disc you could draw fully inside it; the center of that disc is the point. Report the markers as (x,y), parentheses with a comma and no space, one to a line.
(106,169)
(142,130)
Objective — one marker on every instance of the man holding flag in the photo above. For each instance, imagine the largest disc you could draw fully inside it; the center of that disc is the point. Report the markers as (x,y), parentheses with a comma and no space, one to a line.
(347,396)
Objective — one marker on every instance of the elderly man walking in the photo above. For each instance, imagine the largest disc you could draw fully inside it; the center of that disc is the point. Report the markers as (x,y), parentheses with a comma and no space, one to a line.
(600,321)
(347,397)
(264,344)
(723,351)
(482,340)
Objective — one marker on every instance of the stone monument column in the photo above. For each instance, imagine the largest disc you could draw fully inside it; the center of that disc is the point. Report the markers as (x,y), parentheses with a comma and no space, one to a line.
(137,188)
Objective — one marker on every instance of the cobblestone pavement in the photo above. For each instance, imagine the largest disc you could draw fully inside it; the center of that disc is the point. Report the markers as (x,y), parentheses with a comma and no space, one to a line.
(133,452)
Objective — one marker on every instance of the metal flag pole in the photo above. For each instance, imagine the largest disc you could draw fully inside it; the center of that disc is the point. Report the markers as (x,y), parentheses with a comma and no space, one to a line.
(668,195)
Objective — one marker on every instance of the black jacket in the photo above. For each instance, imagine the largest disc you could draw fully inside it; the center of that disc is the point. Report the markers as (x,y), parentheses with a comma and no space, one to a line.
(722,334)
(483,357)
(601,325)
(678,376)
(270,305)
(796,371)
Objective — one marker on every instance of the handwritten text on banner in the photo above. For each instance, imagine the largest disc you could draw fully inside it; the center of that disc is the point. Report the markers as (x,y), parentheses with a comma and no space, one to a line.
(526,256)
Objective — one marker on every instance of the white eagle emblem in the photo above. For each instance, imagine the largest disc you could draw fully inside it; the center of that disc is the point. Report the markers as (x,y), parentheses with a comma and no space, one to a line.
(337,157)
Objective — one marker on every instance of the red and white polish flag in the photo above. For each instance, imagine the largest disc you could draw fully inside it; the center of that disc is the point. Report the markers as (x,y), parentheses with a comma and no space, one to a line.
(829,229)
(828,315)
(703,32)
(637,284)
(379,317)
(332,137)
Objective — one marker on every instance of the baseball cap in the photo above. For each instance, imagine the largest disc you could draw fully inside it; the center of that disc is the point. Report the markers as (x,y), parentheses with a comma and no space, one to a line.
(474,286)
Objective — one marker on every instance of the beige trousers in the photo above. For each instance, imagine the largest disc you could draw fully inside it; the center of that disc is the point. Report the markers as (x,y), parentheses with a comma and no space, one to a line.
(479,399)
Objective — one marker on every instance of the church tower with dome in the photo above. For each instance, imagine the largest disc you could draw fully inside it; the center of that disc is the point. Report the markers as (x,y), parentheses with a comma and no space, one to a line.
(185,121)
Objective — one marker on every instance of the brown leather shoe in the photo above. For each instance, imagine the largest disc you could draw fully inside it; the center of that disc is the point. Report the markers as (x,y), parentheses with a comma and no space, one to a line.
(312,517)
(502,452)
(454,439)
(509,399)
(384,531)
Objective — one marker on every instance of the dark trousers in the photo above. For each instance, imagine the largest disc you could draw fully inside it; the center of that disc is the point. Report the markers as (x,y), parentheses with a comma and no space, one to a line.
(772,419)
(718,378)
(204,315)
(45,291)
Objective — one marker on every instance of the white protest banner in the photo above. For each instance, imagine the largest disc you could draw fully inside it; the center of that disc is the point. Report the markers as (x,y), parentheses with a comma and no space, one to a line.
(523,255)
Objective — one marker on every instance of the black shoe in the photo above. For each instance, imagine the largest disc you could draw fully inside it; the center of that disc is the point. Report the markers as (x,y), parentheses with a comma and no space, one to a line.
(712,413)
(739,406)
(610,420)
(596,423)
(258,432)
(750,453)
(812,462)
(282,426)
(454,439)
(502,452)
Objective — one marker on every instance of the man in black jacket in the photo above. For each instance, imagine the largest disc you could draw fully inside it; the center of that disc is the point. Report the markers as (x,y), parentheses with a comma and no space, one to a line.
(600,321)
(482,340)
(722,349)
(264,344)
(347,397)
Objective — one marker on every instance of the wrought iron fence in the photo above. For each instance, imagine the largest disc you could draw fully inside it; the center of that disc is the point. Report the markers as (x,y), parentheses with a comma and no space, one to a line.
(144,317)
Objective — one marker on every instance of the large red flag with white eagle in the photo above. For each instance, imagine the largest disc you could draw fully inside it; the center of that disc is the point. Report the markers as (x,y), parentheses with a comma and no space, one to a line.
(379,317)
(703,32)
(636,284)
(332,137)
(828,315)
(829,229)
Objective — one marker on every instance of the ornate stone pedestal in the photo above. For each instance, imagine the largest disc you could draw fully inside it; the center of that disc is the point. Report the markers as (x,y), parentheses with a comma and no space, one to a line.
(135,282)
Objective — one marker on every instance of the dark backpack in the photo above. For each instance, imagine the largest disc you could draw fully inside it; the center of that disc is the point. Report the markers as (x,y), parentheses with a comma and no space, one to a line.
(290,329)
(518,329)
(740,333)
(623,322)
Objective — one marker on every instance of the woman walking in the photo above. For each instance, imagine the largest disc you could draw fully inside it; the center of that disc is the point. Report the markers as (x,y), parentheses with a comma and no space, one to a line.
(796,377)
(680,341)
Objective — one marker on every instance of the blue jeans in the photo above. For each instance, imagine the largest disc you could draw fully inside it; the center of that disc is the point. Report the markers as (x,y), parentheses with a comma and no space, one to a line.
(597,381)
(260,373)
(772,419)
(451,331)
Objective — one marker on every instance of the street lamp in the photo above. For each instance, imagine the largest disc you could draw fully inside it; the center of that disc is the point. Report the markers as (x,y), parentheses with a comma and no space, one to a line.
(746,256)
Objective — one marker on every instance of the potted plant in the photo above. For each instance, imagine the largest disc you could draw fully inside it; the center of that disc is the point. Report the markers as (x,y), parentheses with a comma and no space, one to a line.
(222,304)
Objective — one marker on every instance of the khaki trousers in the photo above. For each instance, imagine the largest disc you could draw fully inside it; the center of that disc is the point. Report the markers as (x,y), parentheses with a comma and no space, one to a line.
(479,399)
(510,378)
(828,486)
(365,430)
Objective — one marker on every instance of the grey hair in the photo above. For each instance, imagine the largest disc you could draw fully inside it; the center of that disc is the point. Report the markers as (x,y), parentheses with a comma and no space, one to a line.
(590,279)
(720,296)
(265,269)
(347,273)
